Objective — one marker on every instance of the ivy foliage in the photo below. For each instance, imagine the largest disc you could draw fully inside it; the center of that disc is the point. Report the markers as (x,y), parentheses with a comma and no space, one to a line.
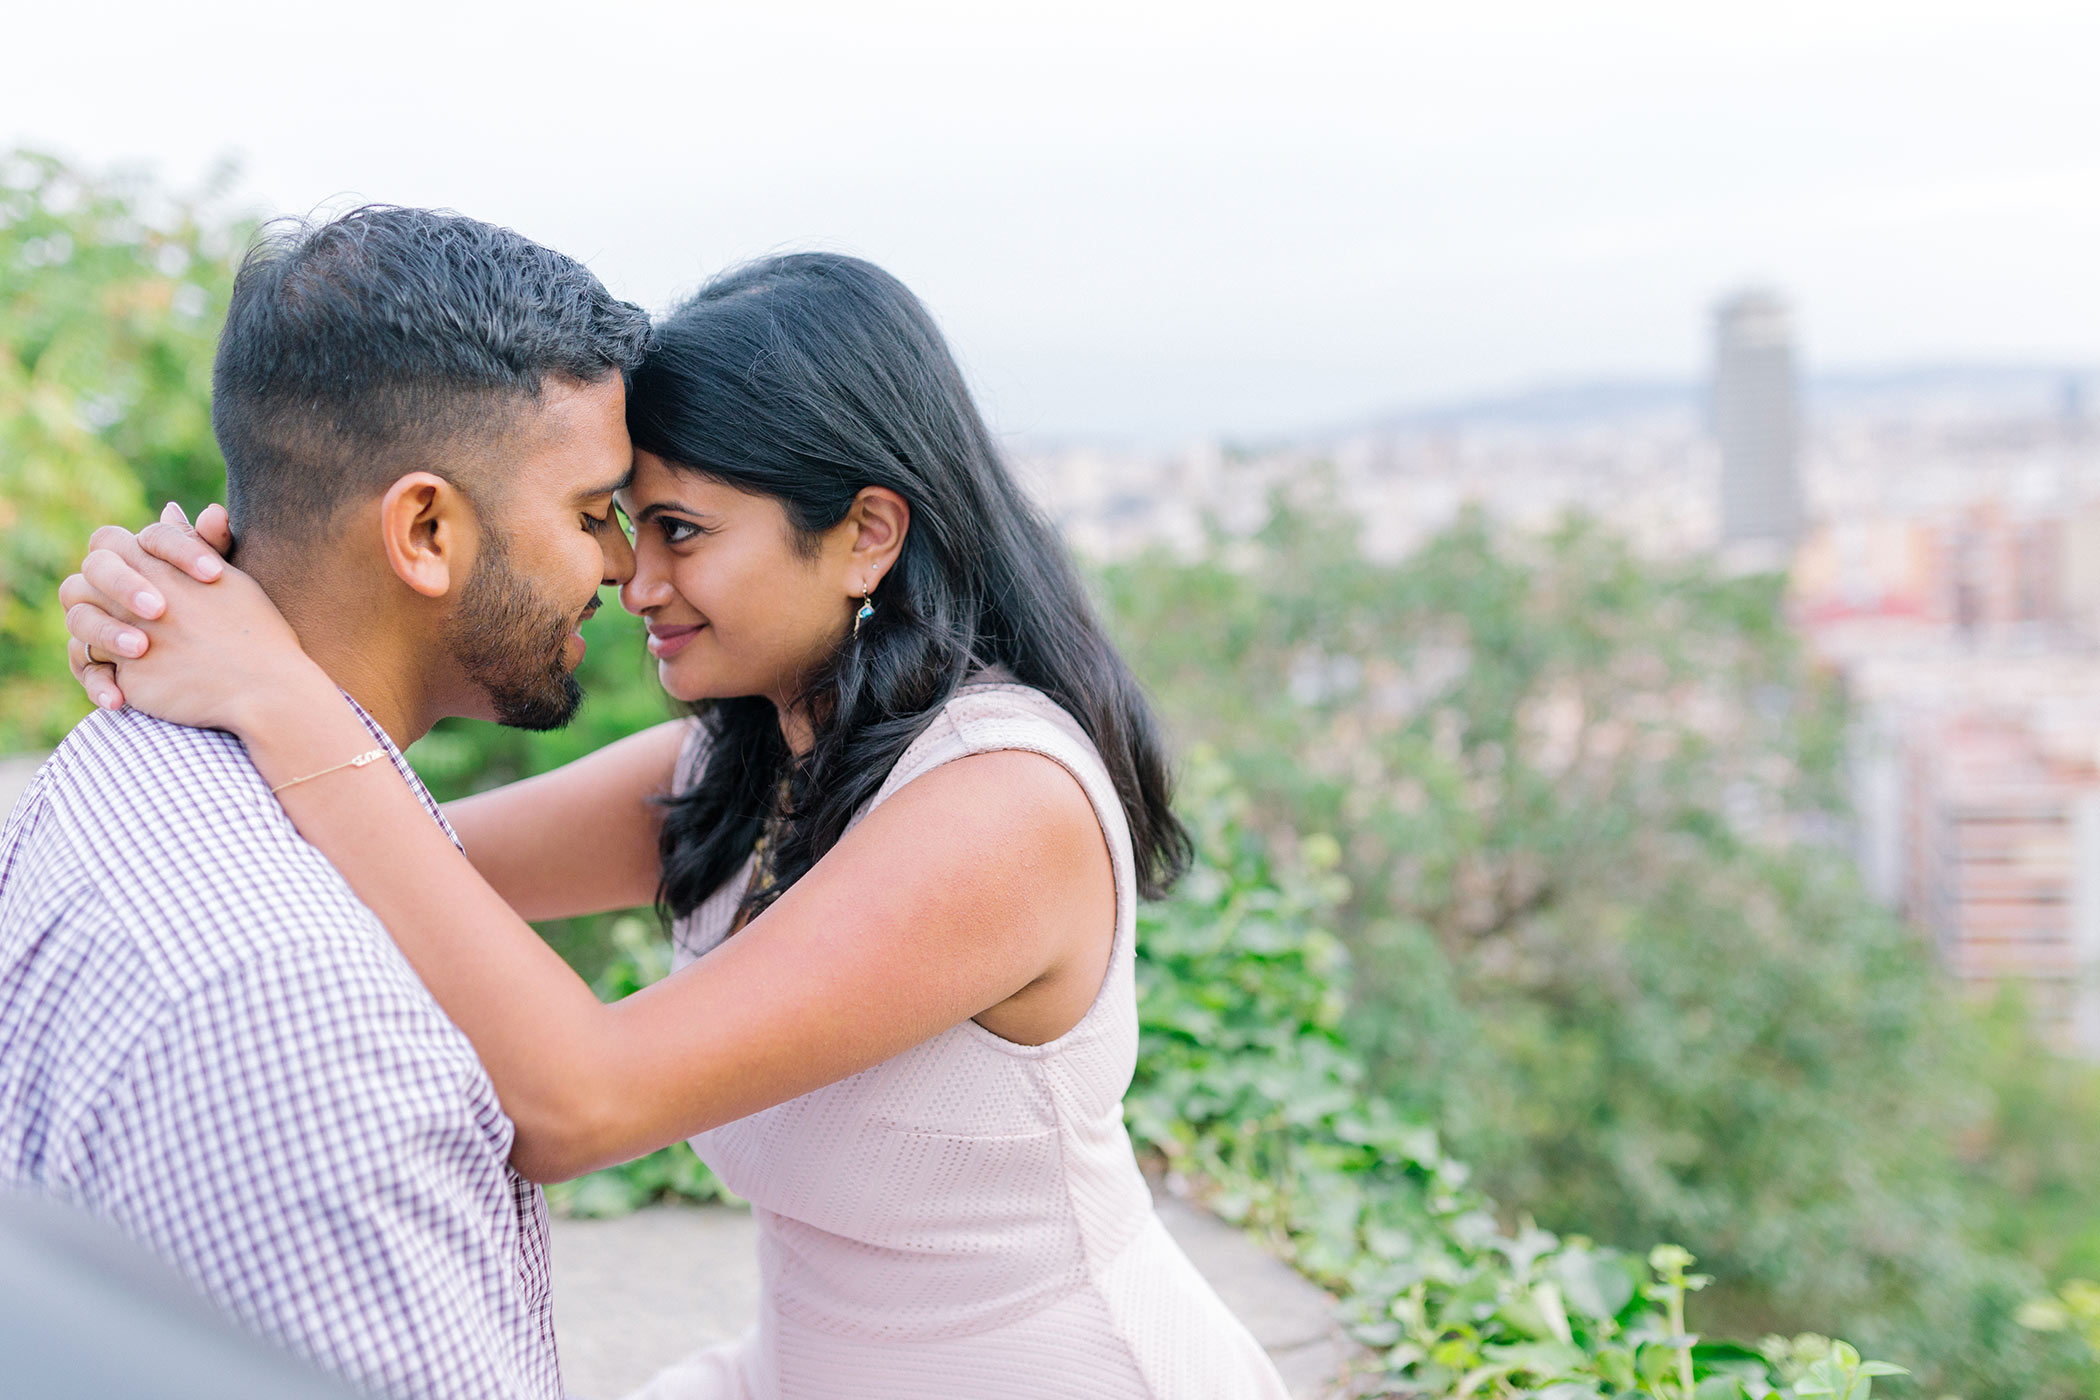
(1248,1088)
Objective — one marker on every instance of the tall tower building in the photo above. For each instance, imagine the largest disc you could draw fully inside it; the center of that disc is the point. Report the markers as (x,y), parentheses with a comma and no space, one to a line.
(1757,419)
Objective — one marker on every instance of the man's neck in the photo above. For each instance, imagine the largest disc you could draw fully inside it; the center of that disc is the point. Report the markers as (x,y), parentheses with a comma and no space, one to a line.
(356,650)
(370,682)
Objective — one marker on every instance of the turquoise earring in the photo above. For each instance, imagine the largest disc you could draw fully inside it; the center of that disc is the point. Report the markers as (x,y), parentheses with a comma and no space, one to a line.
(867,610)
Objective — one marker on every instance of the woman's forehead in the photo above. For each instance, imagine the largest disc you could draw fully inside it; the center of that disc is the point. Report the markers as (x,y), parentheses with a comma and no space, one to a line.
(656,481)
(651,472)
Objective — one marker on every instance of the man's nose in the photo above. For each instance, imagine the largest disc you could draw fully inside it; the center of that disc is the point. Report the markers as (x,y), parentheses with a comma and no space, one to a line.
(619,556)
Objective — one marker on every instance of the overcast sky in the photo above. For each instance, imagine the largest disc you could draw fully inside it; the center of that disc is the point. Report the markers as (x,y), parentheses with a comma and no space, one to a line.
(1180,218)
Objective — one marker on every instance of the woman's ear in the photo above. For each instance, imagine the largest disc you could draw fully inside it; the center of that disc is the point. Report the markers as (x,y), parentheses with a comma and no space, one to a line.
(881,520)
(429,531)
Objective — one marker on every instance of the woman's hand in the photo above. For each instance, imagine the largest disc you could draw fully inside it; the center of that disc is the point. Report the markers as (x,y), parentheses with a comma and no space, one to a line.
(111,592)
(177,632)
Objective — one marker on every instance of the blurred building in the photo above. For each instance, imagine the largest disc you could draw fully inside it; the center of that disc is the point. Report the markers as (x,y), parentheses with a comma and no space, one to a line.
(1978,800)
(1756,419)
(1981,572)
(1952,577)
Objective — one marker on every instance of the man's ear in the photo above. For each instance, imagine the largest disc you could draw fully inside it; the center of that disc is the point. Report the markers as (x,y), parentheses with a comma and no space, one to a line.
(881,518)
(429,531)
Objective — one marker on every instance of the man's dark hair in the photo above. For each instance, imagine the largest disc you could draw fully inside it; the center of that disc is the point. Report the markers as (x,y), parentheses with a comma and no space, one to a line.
(393,340)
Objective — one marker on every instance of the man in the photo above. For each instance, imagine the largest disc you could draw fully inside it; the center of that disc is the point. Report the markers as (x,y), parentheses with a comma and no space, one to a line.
(205,1038)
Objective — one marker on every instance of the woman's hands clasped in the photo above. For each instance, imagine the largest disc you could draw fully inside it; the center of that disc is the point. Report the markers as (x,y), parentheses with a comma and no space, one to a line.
(176,631)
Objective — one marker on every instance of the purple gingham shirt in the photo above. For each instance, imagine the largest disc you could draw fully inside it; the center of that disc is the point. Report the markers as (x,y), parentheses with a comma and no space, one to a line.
(207,1039)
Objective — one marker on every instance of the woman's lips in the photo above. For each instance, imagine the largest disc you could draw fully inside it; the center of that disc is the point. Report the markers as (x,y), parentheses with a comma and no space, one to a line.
(667,642)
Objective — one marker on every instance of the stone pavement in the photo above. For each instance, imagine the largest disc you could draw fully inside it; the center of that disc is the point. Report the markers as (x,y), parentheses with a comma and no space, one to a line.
(635,1294)
(16,769)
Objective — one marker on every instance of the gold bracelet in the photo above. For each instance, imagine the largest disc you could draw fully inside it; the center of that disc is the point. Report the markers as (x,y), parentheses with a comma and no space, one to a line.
(369,756)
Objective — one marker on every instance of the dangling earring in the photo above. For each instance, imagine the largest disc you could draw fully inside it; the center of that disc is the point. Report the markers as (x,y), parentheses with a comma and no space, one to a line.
(867,610)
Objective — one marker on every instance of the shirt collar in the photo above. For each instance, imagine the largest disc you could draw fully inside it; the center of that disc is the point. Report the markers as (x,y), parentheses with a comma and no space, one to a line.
(401,766)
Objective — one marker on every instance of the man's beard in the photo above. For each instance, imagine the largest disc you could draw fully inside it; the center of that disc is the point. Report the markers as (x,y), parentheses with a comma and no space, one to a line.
(514,644)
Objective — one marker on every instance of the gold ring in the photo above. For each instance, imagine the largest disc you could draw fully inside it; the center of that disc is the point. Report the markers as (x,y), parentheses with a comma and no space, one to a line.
(92,659)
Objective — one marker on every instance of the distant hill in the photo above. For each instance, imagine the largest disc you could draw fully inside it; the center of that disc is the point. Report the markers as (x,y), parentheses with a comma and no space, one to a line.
(1980,390)
(2009,388)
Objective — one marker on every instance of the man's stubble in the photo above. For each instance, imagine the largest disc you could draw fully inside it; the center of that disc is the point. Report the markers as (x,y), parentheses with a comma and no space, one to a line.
(513,643)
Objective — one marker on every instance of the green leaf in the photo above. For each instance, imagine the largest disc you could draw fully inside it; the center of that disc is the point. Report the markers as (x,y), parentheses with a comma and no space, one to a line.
(1825,1377)
(1615,1365)
(1545,1294)
(1594,1285)
(1543,1361)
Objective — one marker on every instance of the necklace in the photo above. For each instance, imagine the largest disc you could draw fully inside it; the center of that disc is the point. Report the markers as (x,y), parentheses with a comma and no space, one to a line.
(763,874)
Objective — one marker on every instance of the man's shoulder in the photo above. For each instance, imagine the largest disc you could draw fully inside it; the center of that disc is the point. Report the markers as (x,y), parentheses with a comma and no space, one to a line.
(118,766)
(146,806)
(149,883)
(188,860)
(121,757)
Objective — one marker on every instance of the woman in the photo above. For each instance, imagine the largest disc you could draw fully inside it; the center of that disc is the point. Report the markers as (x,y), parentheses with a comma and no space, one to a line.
(906,836)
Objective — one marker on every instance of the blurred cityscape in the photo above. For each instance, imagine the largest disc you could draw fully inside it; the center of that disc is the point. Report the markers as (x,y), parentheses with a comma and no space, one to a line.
(1941,528)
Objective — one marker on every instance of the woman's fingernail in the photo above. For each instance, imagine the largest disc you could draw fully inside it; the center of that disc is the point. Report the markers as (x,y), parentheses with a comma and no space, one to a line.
(131,643)
(172,515)
(210,567)
(146,604)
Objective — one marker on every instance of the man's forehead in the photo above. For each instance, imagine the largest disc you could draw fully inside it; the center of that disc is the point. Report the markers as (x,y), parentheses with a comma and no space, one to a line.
(582,474)
(564,407)
(613,485)
(574,440)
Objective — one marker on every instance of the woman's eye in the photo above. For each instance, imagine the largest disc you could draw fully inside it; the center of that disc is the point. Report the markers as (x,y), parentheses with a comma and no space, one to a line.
(678,531)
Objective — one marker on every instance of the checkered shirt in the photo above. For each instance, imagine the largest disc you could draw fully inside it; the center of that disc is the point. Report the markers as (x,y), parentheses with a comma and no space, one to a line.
(208,1040)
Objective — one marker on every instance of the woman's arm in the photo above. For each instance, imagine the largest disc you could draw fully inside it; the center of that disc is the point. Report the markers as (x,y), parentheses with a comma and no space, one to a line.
(581,839)
(982,890)
(965,888)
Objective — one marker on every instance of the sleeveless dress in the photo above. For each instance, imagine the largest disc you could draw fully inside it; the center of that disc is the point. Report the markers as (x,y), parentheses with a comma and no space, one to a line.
(968,1219)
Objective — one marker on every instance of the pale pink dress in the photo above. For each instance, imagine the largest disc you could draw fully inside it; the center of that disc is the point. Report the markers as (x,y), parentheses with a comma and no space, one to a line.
(968,1218)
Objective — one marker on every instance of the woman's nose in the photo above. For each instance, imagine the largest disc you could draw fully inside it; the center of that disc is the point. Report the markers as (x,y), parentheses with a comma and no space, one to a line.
(645,587)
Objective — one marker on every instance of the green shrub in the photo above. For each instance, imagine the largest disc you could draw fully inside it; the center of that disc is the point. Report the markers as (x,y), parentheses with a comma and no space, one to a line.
(1249,1090)
(1602,932)
(110,303)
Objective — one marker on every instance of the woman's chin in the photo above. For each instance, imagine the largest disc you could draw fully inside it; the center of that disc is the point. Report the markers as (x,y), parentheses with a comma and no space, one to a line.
(689,689)
(682,685)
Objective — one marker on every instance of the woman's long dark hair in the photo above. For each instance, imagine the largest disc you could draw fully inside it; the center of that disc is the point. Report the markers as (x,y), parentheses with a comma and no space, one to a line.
(807,378)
